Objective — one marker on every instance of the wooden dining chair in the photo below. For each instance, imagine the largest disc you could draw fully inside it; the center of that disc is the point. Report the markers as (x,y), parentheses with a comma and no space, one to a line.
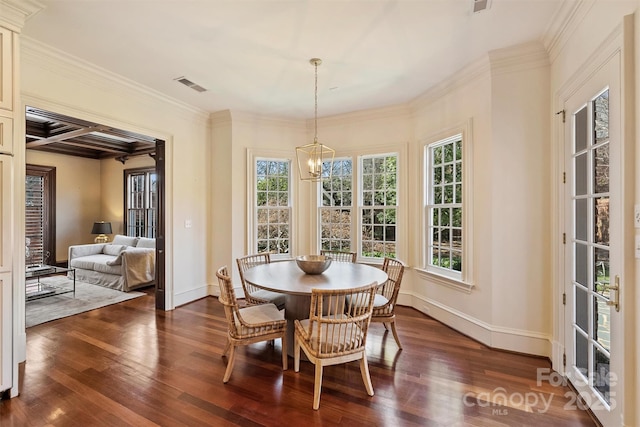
(385,302)
(248,325)
(252,294)
(335,332)
(339,256)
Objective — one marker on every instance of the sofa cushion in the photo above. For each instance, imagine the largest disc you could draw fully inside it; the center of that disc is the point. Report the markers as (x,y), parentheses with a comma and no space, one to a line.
(119,239)
(88,262)
(113,249)
(145,242)
(104,267)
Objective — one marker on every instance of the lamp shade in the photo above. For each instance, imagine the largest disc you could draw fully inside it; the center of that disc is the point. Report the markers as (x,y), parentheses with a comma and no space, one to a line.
(101,228)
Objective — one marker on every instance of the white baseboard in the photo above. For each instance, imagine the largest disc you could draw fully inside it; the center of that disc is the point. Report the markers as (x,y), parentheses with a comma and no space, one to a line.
(498,337)
(556,359)
(191,295)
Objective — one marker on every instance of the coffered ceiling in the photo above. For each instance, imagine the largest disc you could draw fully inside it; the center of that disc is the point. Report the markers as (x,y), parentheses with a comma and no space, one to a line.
(55,133)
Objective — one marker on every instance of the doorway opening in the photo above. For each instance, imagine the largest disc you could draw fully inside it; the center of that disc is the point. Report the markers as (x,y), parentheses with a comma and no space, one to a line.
(85,194)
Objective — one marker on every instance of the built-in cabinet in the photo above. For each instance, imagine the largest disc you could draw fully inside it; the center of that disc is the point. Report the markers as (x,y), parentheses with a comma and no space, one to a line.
(13,15)
(6,67)
(6,267)
(6,134)
(6,207)
(6,359)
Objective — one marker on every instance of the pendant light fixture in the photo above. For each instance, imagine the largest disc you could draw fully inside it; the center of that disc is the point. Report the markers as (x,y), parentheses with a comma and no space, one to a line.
(312,157)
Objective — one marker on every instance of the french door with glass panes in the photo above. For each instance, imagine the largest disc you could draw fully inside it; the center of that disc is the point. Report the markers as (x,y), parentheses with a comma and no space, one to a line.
(593,243)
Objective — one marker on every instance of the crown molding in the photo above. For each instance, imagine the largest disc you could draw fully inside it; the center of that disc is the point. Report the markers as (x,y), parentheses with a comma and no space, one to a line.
(468,74)
(14,13)
(56,61)
(243,117)
(521,57)
(397,110)
(568,16)
(220,118)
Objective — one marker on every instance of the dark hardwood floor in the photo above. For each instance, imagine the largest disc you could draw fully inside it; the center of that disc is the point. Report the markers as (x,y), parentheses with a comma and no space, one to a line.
(128,365)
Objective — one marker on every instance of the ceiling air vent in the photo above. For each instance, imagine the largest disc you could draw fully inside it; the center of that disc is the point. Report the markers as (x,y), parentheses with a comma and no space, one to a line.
(190,84)
(480,5)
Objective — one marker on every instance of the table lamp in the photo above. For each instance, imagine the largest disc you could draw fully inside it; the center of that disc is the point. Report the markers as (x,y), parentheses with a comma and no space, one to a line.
(101,229)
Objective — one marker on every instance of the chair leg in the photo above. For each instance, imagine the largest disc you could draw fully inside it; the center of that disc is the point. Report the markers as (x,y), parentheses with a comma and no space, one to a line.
(226,348)
(232,354)
(296,354)
(364,370)
(395,334)
(285,357)
(317,385)
(386,325)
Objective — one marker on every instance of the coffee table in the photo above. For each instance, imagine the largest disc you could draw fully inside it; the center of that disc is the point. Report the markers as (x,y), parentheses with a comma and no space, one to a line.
(37,290)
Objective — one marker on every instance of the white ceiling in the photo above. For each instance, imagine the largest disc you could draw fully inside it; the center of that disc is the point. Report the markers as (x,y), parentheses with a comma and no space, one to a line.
(253,55)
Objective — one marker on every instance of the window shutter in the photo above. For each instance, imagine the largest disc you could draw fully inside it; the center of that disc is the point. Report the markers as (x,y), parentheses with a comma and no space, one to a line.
(34,219)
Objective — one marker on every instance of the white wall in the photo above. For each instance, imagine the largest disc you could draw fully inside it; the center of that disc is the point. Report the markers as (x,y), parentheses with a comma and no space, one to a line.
(465,97)
(232,135)
(55,82)
(521,242)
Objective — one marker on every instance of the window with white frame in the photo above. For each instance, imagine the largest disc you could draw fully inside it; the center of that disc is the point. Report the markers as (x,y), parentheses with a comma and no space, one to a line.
(336,202)
(141,214)
(444,207)
(378,177)
(273,207)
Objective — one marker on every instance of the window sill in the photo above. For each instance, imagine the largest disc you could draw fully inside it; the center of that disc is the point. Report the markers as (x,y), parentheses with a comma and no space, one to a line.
(445,281)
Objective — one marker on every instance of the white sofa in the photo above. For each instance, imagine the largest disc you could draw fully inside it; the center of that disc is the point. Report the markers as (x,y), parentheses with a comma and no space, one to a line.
(124,264)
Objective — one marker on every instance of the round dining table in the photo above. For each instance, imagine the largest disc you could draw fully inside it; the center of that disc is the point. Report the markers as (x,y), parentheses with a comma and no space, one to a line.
(287,278)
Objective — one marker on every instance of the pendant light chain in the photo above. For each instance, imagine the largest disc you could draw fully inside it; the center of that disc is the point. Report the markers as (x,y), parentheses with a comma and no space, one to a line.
(315,138)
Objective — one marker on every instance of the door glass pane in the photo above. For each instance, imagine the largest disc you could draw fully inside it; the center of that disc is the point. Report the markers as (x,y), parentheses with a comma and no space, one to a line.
(601,271)
(601,221)
(581,174)
(601,325)
(581,264)
(601,117)
(582,309)
(581,219)
(601,371)
(601,169)
(582,353)
(581,126)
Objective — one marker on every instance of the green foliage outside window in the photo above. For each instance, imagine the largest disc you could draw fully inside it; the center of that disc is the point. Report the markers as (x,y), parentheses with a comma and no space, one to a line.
(445,204)
(272,201)
(379,200)
(336,205)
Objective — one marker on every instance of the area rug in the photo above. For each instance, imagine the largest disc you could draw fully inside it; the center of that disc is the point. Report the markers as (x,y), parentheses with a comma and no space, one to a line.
(87,297)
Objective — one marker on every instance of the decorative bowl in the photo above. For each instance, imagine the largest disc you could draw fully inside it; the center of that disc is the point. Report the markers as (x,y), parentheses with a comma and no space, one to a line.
(313,264)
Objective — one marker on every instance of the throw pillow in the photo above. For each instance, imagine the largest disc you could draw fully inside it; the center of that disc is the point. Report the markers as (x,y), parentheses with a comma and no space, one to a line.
(119,239)
(145,242)
(113,249)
